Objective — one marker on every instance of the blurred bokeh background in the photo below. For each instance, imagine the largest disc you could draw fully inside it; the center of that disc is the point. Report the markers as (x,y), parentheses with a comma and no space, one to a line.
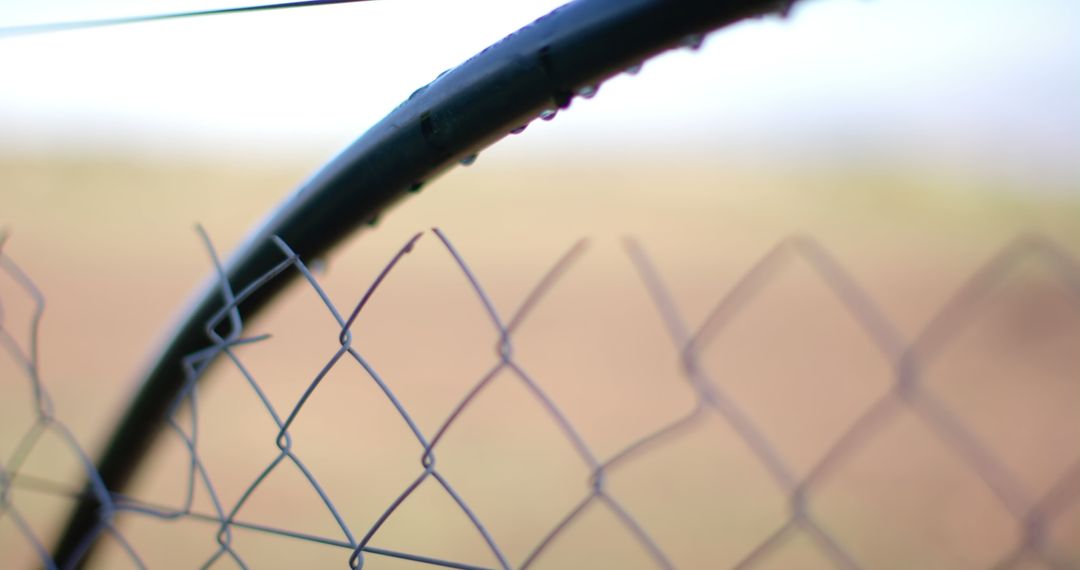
(912,139)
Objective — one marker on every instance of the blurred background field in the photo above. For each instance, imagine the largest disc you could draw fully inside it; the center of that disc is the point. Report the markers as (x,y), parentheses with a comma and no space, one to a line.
(103,221)
(795,359)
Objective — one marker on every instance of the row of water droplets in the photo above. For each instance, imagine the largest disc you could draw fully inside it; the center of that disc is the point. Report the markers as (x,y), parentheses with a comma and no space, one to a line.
(692,42)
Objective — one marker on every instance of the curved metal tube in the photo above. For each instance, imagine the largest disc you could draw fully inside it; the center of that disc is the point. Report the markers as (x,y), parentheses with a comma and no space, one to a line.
(540,67)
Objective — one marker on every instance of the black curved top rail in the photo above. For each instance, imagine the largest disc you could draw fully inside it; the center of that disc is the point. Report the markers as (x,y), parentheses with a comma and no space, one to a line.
(540,67)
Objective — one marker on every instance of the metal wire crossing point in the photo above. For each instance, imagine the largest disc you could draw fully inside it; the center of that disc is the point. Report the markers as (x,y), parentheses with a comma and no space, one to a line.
(1035,512)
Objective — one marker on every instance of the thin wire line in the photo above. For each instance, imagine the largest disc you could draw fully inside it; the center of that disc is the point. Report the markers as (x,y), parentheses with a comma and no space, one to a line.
(56,489)
(29,29)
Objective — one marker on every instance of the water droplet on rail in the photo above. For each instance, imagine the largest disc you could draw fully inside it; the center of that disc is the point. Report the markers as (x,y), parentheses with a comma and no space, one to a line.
(469,159)
(548,114)
(633,69)
(418,92)
(588,91)
(693,41)
(518,130)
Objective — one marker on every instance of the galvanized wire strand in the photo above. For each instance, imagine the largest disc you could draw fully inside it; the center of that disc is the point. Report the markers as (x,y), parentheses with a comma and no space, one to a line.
(737,298)
(505,352)
(344,337)
(7,508)
(1034,512)
(28,359)
(283,442)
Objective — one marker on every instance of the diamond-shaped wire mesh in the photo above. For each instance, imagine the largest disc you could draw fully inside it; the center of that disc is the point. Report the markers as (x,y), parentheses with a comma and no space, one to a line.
(1034,512)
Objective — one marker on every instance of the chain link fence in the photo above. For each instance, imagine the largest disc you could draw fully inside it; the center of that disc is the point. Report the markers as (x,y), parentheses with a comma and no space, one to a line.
(1041,520)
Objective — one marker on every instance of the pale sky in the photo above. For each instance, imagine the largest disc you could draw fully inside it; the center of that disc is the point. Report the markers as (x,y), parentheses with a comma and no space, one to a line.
(983,77)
